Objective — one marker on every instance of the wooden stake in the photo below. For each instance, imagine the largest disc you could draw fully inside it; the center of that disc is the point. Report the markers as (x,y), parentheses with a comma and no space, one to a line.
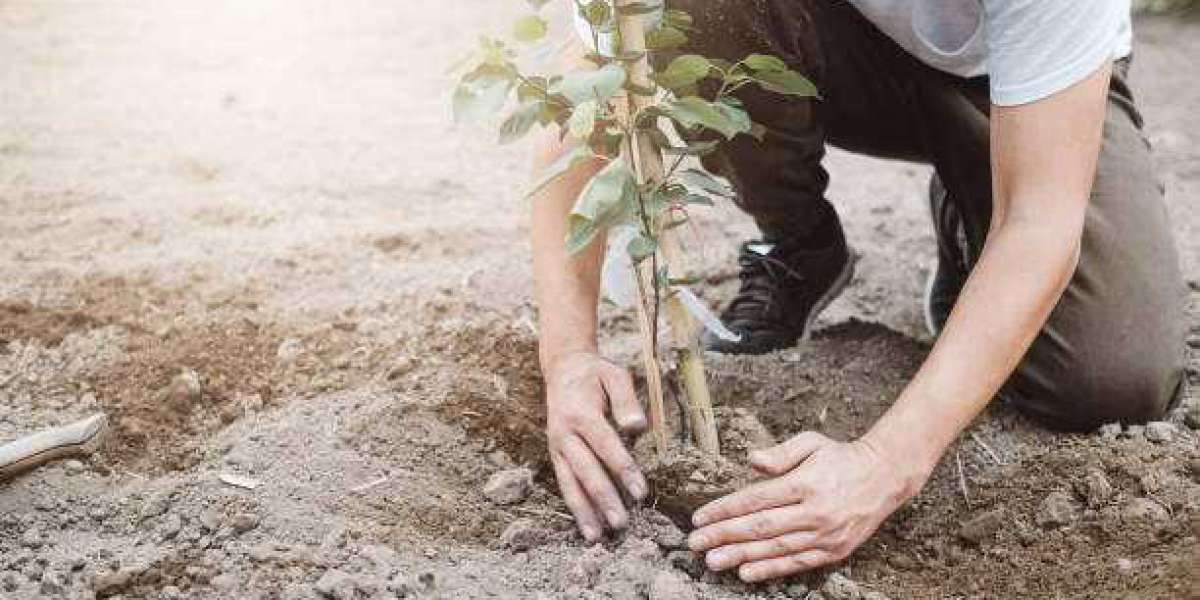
(648,164)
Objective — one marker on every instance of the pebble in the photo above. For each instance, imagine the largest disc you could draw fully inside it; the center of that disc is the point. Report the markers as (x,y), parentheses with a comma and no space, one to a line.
(524,534)
(510,486)
(1096,489)
(185,391)
(1057,510)
(1135,432)
(158,504)
(170,592)
(170,527)
(243,522)
(796,590)
(1124,566)
(225,582)
(874,595)
(840,587)
(336,585)
(1143,510)
(110,581)
(288,351)
(982,528)
(1160,432)
(73,467)
(32,538)
(667,585)
(1110,431)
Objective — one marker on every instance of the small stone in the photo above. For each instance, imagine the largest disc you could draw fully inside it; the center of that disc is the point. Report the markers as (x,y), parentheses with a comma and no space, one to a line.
(641,549)
(73,467)
(170,592)
(158,504)
(510,486)
(1160,432)
(110,581)
(874,595)
(243,522)
(524,534)
(1110,431)
(32,538)
(185,390)
(796,590)
(288,351)
(224,582)
(1057,510)
(1143,510)
(982,528)
(170,527)
(667,585)
(336,585)
(210,520)
(1135,432)
(664,532)
(840,587)
(1095,489)
(1124,566)
(380,556)
(403,366)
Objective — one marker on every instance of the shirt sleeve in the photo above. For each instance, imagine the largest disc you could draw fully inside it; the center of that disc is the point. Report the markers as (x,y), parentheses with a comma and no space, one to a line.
(1037,48)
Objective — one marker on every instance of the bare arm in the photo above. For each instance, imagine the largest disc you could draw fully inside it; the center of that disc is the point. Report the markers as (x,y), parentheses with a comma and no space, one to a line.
(826,498)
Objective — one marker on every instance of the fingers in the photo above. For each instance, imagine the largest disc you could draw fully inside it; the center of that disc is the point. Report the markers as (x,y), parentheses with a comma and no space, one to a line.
(577,502)
(623,401)
(781,458)
(595,481)
(727,557)
(774,568)
(753,527)
(608,446)
(771,493)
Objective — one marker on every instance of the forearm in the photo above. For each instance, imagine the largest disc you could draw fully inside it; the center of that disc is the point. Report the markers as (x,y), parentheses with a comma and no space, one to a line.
(1025,266)
(566,288)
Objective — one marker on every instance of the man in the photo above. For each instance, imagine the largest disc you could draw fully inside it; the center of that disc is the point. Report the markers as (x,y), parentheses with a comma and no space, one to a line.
(1058,286)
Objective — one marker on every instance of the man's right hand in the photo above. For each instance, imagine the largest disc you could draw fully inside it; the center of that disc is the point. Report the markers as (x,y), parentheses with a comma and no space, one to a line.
(583,389)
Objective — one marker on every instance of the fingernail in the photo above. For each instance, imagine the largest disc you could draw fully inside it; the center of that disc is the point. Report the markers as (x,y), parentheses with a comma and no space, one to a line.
(697,542)
(589,533)
(638,488)
(616,519)
(717,560)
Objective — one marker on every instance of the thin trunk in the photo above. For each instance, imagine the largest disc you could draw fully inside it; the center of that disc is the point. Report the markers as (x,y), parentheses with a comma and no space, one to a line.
(648,164)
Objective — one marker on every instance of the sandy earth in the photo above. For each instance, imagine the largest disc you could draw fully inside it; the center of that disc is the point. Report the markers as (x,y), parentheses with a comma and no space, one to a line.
(269,198)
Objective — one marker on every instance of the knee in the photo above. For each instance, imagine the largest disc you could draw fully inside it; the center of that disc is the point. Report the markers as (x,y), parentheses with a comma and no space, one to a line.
(1129,390)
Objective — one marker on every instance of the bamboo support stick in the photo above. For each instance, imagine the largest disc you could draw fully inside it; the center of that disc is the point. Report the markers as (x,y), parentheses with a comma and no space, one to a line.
(649,168)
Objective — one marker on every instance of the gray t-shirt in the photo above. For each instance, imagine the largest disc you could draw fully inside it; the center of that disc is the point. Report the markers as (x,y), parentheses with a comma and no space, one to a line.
(1030,49)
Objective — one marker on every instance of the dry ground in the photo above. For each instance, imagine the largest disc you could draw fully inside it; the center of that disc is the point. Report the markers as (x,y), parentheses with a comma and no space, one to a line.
(270,194)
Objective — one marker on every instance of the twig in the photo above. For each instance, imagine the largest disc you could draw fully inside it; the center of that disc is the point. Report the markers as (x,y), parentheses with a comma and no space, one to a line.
(962,479)
(986,448)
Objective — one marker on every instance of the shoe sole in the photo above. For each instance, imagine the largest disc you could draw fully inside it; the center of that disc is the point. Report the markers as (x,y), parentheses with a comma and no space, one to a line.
(839,285)
(927,302)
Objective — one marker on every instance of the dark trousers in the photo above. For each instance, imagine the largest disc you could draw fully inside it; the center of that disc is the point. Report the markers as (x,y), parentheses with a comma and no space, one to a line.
(1113,349)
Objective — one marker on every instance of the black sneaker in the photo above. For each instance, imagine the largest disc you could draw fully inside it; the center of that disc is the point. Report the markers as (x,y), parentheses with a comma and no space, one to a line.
(947,280)
(784,288)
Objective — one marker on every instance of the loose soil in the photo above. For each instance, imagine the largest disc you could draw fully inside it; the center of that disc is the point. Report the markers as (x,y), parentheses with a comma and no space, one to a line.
(249,234)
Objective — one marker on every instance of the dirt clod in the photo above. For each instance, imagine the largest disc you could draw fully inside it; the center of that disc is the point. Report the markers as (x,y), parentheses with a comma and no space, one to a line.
(1160,432)
(524,534)
(840,587)
(243,522)
(667,585)
(1096,489)
(1057,510)
(336,585)
(510,486)
(1143,511)
(982,528)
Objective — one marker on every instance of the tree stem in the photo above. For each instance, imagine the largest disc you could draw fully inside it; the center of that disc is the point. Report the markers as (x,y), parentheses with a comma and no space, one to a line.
(650,169)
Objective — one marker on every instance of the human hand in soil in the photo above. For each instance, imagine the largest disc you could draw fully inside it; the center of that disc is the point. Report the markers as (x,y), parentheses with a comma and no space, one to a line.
(583,389)
(824,498)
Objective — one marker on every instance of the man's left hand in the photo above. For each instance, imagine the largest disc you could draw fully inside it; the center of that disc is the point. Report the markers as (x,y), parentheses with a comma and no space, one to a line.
(823,499)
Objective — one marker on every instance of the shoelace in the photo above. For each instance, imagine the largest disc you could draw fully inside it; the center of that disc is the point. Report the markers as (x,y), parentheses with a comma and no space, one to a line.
(760,276)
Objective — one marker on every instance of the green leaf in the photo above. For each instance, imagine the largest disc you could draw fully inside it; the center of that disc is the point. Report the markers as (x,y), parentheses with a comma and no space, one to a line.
(608,199)
(480,97)
(700,180)
(790,83)
(641,247)
(639,8)
(764,62)
(684,71)
(597,13)
(520,122)
(665,38)
(598,84)
(691,112)
(563,165)
(677,19)
(583,120)
(530,28)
